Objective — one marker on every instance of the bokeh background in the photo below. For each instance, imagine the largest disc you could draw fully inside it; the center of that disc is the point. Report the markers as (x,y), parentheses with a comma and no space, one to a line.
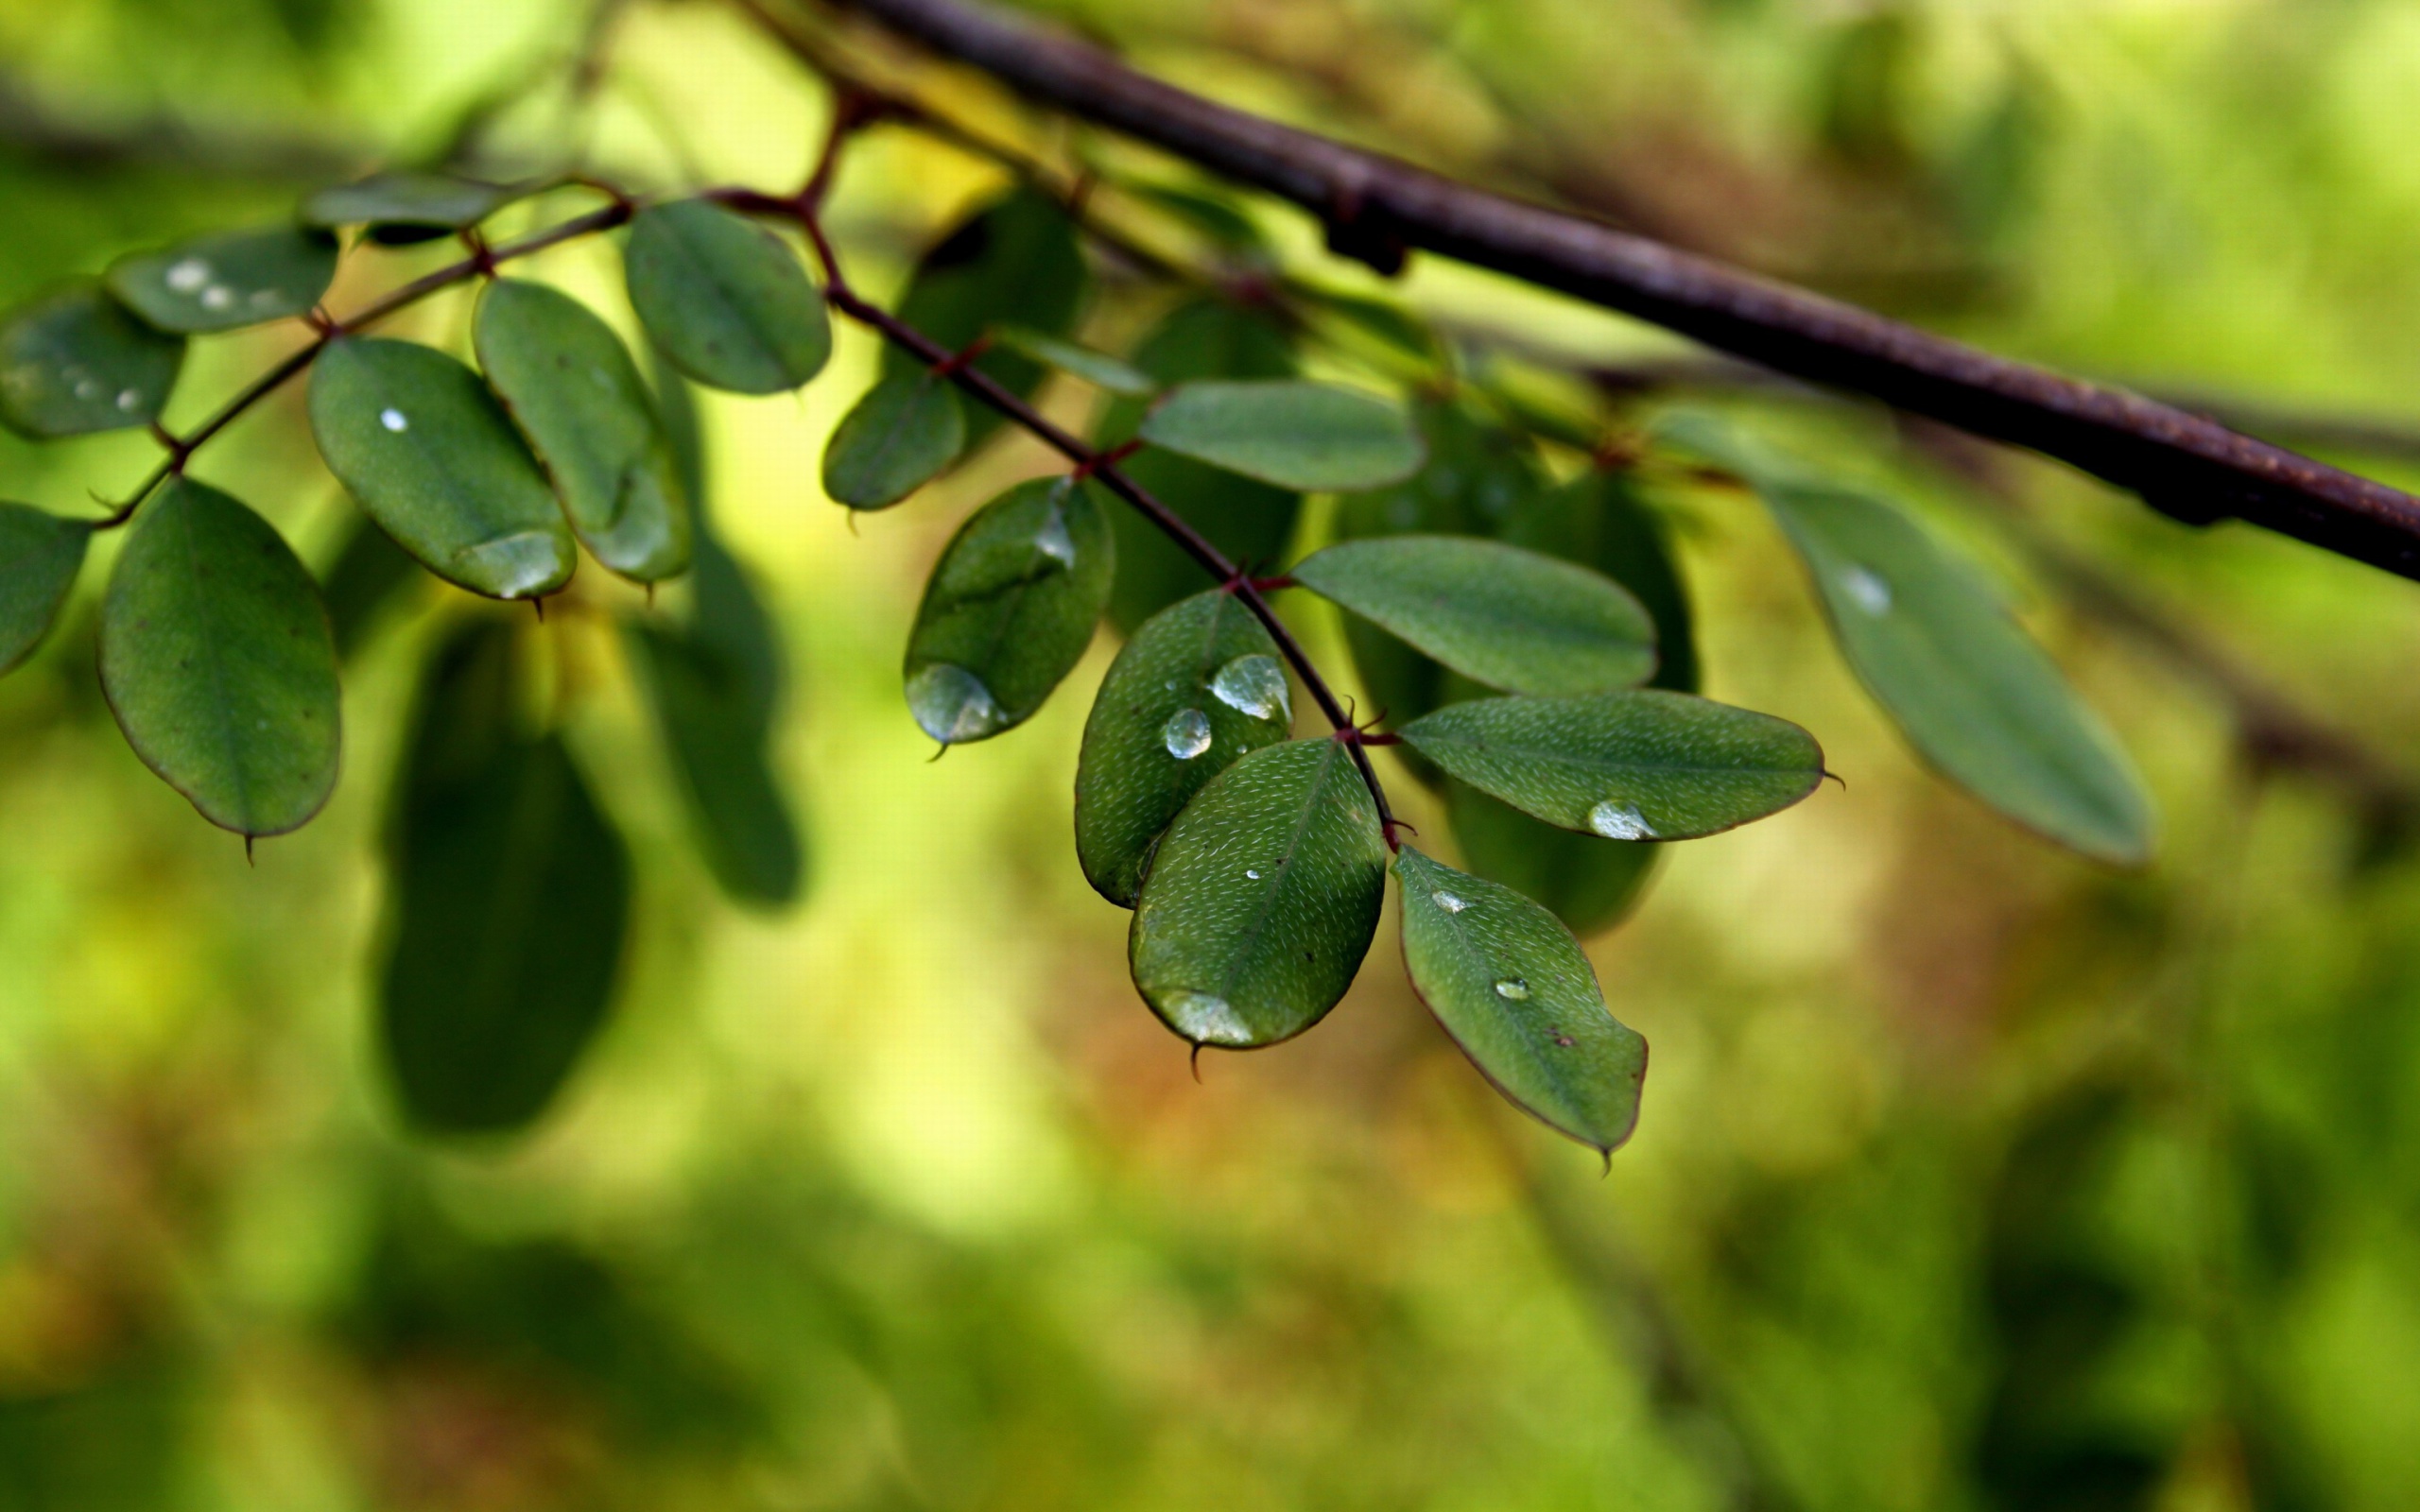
(1971,1175)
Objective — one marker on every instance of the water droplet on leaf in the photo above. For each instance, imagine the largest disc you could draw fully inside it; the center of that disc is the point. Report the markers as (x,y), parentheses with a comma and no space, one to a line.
(129,400)
(1447,901)
(1254,685)
(1512,989)
(1186,733)
(217,297)
(952,704)
(188,275)
(1053,541)
(393,420)
(1868,592)
(1206,1018)
(1619,821)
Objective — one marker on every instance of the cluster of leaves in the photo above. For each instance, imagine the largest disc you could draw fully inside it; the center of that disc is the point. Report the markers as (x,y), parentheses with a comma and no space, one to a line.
(1529,637)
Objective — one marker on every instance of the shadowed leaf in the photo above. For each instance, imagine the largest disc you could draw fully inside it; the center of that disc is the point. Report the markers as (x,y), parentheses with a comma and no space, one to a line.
(1291,433)
(404,206)
(1015,256)
(716,736)
(1097,368)
(40,554)
(74,362)
(229,281)
(725,298)
(1598,520)
(897,439)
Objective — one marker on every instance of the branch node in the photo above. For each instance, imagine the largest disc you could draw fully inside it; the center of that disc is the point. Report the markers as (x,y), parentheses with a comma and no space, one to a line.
(1360,231)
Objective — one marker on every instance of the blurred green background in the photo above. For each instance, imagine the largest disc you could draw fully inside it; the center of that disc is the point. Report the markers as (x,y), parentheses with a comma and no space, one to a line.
(1971,1175)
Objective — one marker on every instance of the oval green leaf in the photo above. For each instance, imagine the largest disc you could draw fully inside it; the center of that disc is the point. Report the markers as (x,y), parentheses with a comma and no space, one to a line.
(725,298)
(1018,256)
(1512,986)
(217,660)
(1510,618)
(1262,899)
(1199,687)
(509,897)
(571,387)
(898,436)
(1286,432)
(229,281)
(404,207)
(1097,368)
(1597,520)
(1009,609)
(1644,765)
(716,736)
(429,452)
(40,554)
(74,362)
(1930,636)
(1589,883)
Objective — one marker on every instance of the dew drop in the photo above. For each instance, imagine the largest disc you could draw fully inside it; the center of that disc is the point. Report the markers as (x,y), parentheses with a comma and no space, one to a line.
(1447,901)
(1251,872)
(129,400)
(1186,734)
(187,275)
(1053,541)
(1205,1018)
(88,389)
(522,562)
(1619,821)
(952,704)
(393,420)
(263,298)
(1512,989)
(217,297)
(1254,685)
(1867,590)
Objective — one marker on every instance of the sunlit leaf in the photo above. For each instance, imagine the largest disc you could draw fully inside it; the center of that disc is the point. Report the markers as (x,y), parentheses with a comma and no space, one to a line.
(1285,432)
(1250,522)
(1930,637)
(1589,883)
(1198,688)
(1263,897)
(1510,618)
(1009,609)
(217,660)
(898,436)
(1510,984)
(1015,257)
(571,387)
(1097,368)
(429,452)
(509,896)
(369,572)
(726,299)
(404,206)
(228,281)
(73,361)
(40,554)
(1643,765)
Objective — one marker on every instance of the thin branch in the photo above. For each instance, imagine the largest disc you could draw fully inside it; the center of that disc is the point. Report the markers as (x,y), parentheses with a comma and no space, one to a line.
(1377,208)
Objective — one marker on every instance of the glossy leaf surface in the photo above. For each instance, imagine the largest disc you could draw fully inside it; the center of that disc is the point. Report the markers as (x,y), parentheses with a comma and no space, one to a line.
(577,397)
(404,207)
(1016,257)
(716,733)
(1198,688)
(1510,618)
(509,896)
(1589,883)
(1512,986)
(1009,609)
(897,439)
(1291,433)
(1643,765)
(1262,900)
(217,660)
(727,300)
(1097,368)
(229,281)
(426,449)
(40,554)
(74,362)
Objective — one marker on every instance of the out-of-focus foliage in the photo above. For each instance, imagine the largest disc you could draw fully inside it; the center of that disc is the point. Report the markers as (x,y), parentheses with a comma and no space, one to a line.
(1971,1175)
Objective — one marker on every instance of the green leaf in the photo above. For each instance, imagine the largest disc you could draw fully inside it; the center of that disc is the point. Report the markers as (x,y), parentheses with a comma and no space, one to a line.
(1263,897)
(1598,521)
(1250,522)
(1512,986)
(229,281)
(898,436)
(1390,325)
(725,298)
(1510,618)
(1097,368)
(1018,257)
(1643,765)
(1197,689)
(1219,220)
(400,208)
(1590,884)
(370,572)
(1288,433)
(217,660)
(1009,609)
(510,899)
(74,362)
(40,554)
(716,732)
(428,451)
(1930,637)
(571,387)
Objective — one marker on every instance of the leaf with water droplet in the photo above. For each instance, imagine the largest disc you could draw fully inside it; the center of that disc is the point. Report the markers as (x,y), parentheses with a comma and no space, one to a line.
(1099,368)
(1262,899)
(730,304)
(1249,521)
(716,736)
(1510,618)
(1589,883)
(1511,986)
(1642,764)
(404,207)
(900,435)
(40,554)
(509,894)
(1288,433)
(226,282)
(74,362)
(577,397)
(369,572)
(1017,255)
(1931,639)
(1161,729)
(1009,609)
(426,449)
(218,662)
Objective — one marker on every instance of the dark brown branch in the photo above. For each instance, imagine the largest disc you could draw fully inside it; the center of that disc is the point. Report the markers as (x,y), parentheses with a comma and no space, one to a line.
(2185,465)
